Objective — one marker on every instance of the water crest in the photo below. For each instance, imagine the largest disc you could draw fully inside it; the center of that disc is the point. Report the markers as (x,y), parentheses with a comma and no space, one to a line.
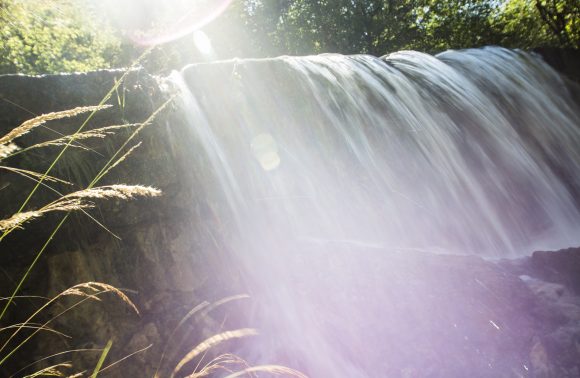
(467,152)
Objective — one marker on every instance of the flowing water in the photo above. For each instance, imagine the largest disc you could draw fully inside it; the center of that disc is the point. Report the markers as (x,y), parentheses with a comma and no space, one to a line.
(468,152)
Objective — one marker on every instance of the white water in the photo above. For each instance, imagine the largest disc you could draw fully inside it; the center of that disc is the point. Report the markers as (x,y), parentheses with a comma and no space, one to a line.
(313,167)
(471,152)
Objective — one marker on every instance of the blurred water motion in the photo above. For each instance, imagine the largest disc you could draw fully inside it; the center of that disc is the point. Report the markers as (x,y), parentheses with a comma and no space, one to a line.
(332,175)
(468,152)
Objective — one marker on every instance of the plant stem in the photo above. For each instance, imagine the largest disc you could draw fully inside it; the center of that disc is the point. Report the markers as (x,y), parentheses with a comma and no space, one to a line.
(102,359)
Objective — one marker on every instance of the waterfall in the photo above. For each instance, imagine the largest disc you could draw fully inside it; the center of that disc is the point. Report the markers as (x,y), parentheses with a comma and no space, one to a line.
(471,152)
(316,166)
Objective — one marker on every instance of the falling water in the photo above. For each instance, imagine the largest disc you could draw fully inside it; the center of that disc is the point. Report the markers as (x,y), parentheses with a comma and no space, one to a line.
(466,152)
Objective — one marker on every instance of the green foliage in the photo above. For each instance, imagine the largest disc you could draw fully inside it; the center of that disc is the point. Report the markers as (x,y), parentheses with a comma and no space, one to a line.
(534,23)
(273,27)
(562,19)
(523,26)
(47,36)
(360,27)
(457,24)
(345,26)
(38,36)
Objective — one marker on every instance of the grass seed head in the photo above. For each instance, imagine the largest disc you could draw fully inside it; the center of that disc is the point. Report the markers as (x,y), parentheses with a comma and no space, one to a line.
(26,126)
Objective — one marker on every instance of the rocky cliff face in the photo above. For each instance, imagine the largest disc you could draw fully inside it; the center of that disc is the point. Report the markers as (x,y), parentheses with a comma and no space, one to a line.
(152,249)
(430,315)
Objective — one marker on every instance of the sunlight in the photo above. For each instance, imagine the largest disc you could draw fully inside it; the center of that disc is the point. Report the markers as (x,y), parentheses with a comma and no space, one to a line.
(265,151)
(202,42)
(153,22)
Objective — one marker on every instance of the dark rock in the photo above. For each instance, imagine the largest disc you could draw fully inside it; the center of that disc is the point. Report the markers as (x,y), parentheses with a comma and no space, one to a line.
(562,267)
(551,278)
(564,61)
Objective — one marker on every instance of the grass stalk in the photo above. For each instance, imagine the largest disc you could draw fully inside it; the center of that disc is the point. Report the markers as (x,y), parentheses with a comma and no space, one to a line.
(52,356)
(32,265)
(94,181)
(75,290)
(102,359)
(72,139)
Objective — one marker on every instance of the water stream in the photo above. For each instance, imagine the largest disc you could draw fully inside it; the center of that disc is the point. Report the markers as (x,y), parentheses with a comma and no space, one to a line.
(468,152)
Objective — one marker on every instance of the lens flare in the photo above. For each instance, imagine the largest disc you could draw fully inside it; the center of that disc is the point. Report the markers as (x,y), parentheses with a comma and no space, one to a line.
(265,151)
(153,22)
(202,42)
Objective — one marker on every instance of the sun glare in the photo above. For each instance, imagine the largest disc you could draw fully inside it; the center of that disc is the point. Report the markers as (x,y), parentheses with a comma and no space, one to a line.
(265,151)
(202,43)
(152,22)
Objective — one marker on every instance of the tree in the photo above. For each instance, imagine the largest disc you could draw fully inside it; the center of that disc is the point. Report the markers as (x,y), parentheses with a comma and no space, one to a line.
(39,36)
(451,24)
(381,26)
(537,23)
(562,17)
(522,25)
(345,26)
(42,36)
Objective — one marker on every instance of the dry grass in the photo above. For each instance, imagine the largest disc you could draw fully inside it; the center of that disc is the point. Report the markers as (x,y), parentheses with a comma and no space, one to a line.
(73,201)
(121,159)
(85,291)
(29,125)
(35,326)
(99,133)
(225,362)
(92,289)
(195,365)
(124,192)
(271,369)
(22,333)
(51,371)
(79,201)
(16,220)
(34,175)
(7,149)
(211,342)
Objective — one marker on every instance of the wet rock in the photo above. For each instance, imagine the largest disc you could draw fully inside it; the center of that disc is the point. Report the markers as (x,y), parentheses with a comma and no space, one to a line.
(551,278)
(563,60)
(146,337)
(561,267)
